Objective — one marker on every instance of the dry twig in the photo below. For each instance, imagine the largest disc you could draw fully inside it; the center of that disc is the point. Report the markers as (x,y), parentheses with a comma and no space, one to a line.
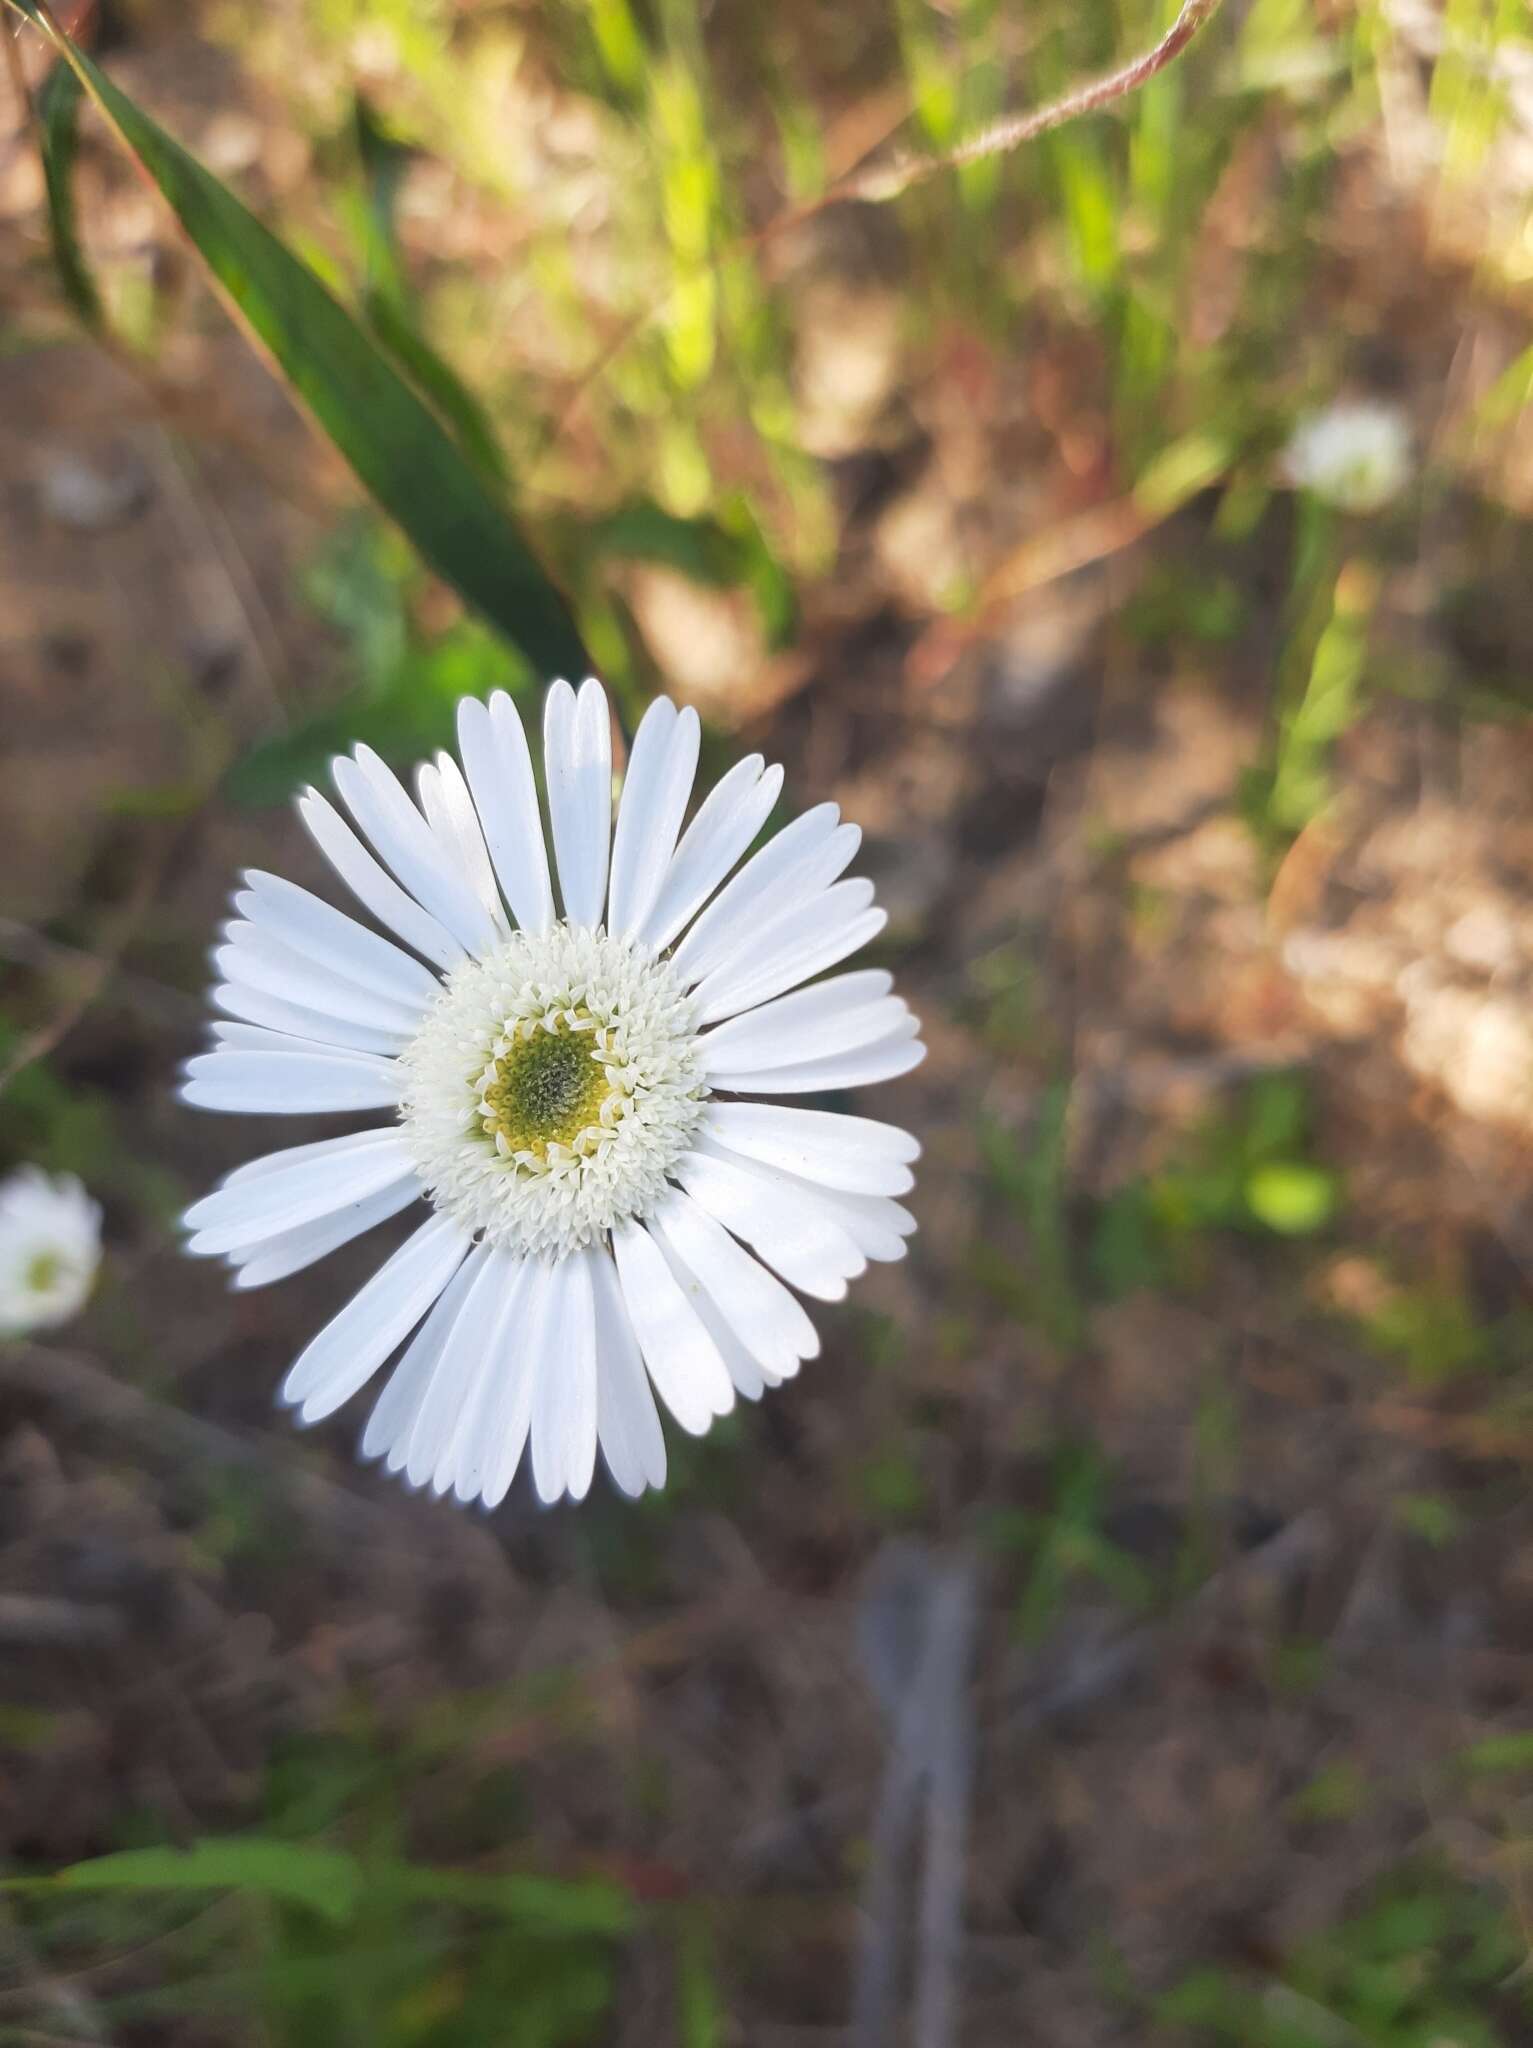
(101,966)
(928,1768)
(36,1622)
(71,1381)
(881,182)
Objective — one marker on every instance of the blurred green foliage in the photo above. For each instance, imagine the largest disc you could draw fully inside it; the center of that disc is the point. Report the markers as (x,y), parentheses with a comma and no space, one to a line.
(402,682)
(656,421)
(324,1943)
(1066,1543)
(1249,1169)
(1432,1961)
(1032,1179)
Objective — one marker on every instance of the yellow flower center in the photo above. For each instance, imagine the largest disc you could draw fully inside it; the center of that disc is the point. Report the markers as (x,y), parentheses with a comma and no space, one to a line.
(547,1087)
(44,1273)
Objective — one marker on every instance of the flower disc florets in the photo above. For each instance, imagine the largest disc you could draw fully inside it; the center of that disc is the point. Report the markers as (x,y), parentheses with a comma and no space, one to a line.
(551,1087)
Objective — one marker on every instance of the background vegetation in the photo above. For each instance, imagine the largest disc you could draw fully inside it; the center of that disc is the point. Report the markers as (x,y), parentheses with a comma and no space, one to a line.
(1180,1477)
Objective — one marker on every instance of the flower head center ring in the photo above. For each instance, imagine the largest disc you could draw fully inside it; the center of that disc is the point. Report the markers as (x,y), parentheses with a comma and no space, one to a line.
(551,1088)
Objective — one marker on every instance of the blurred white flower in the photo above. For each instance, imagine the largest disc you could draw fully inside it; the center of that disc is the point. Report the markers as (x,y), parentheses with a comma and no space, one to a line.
(1356,454)
(50,1247)
(564,1090)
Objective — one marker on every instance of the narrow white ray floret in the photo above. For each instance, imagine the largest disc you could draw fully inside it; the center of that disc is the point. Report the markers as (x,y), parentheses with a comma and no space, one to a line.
(609,1215)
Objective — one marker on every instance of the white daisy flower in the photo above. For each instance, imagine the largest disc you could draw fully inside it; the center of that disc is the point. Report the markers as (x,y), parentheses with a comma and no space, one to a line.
(50,1248)
(571,1088)
(1356,454)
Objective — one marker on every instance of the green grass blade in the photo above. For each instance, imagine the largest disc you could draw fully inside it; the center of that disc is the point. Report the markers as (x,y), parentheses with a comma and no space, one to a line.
(388,434)
(394,328)
(333,1884)
(389,304)
(326,1881)
(58,113)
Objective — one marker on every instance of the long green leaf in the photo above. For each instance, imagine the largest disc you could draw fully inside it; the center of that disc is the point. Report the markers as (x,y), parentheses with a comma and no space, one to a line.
(389,305)
(390,437)
(58,111)
(327,1881)
(534,1905)
(333,1884)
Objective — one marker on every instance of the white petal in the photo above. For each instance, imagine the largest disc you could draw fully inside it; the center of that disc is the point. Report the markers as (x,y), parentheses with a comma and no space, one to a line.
(352,1346)
(289,1083)
(256,1038)
(449,809)
(255,959)
(632,1441)
(683,1360)
(255,1006)
(812,1254)
(564,1405)
(291,1155)
(259,1265)
(750,1376)
(499,770)
(476,1443)
(654,802)
(373,888)
(830,998)
(470,1338)
(301,1193)
(850,1152)
(733,813)
(770,878)
(577,757)
(758,1308)
(885,1061)
(771,917)
(836,923)
(773,1037)
(524,1360)
(877,1226)
(324,934)
(465,1373)
(396,1408)
(405,842)
(261,1038)
(745,1373)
